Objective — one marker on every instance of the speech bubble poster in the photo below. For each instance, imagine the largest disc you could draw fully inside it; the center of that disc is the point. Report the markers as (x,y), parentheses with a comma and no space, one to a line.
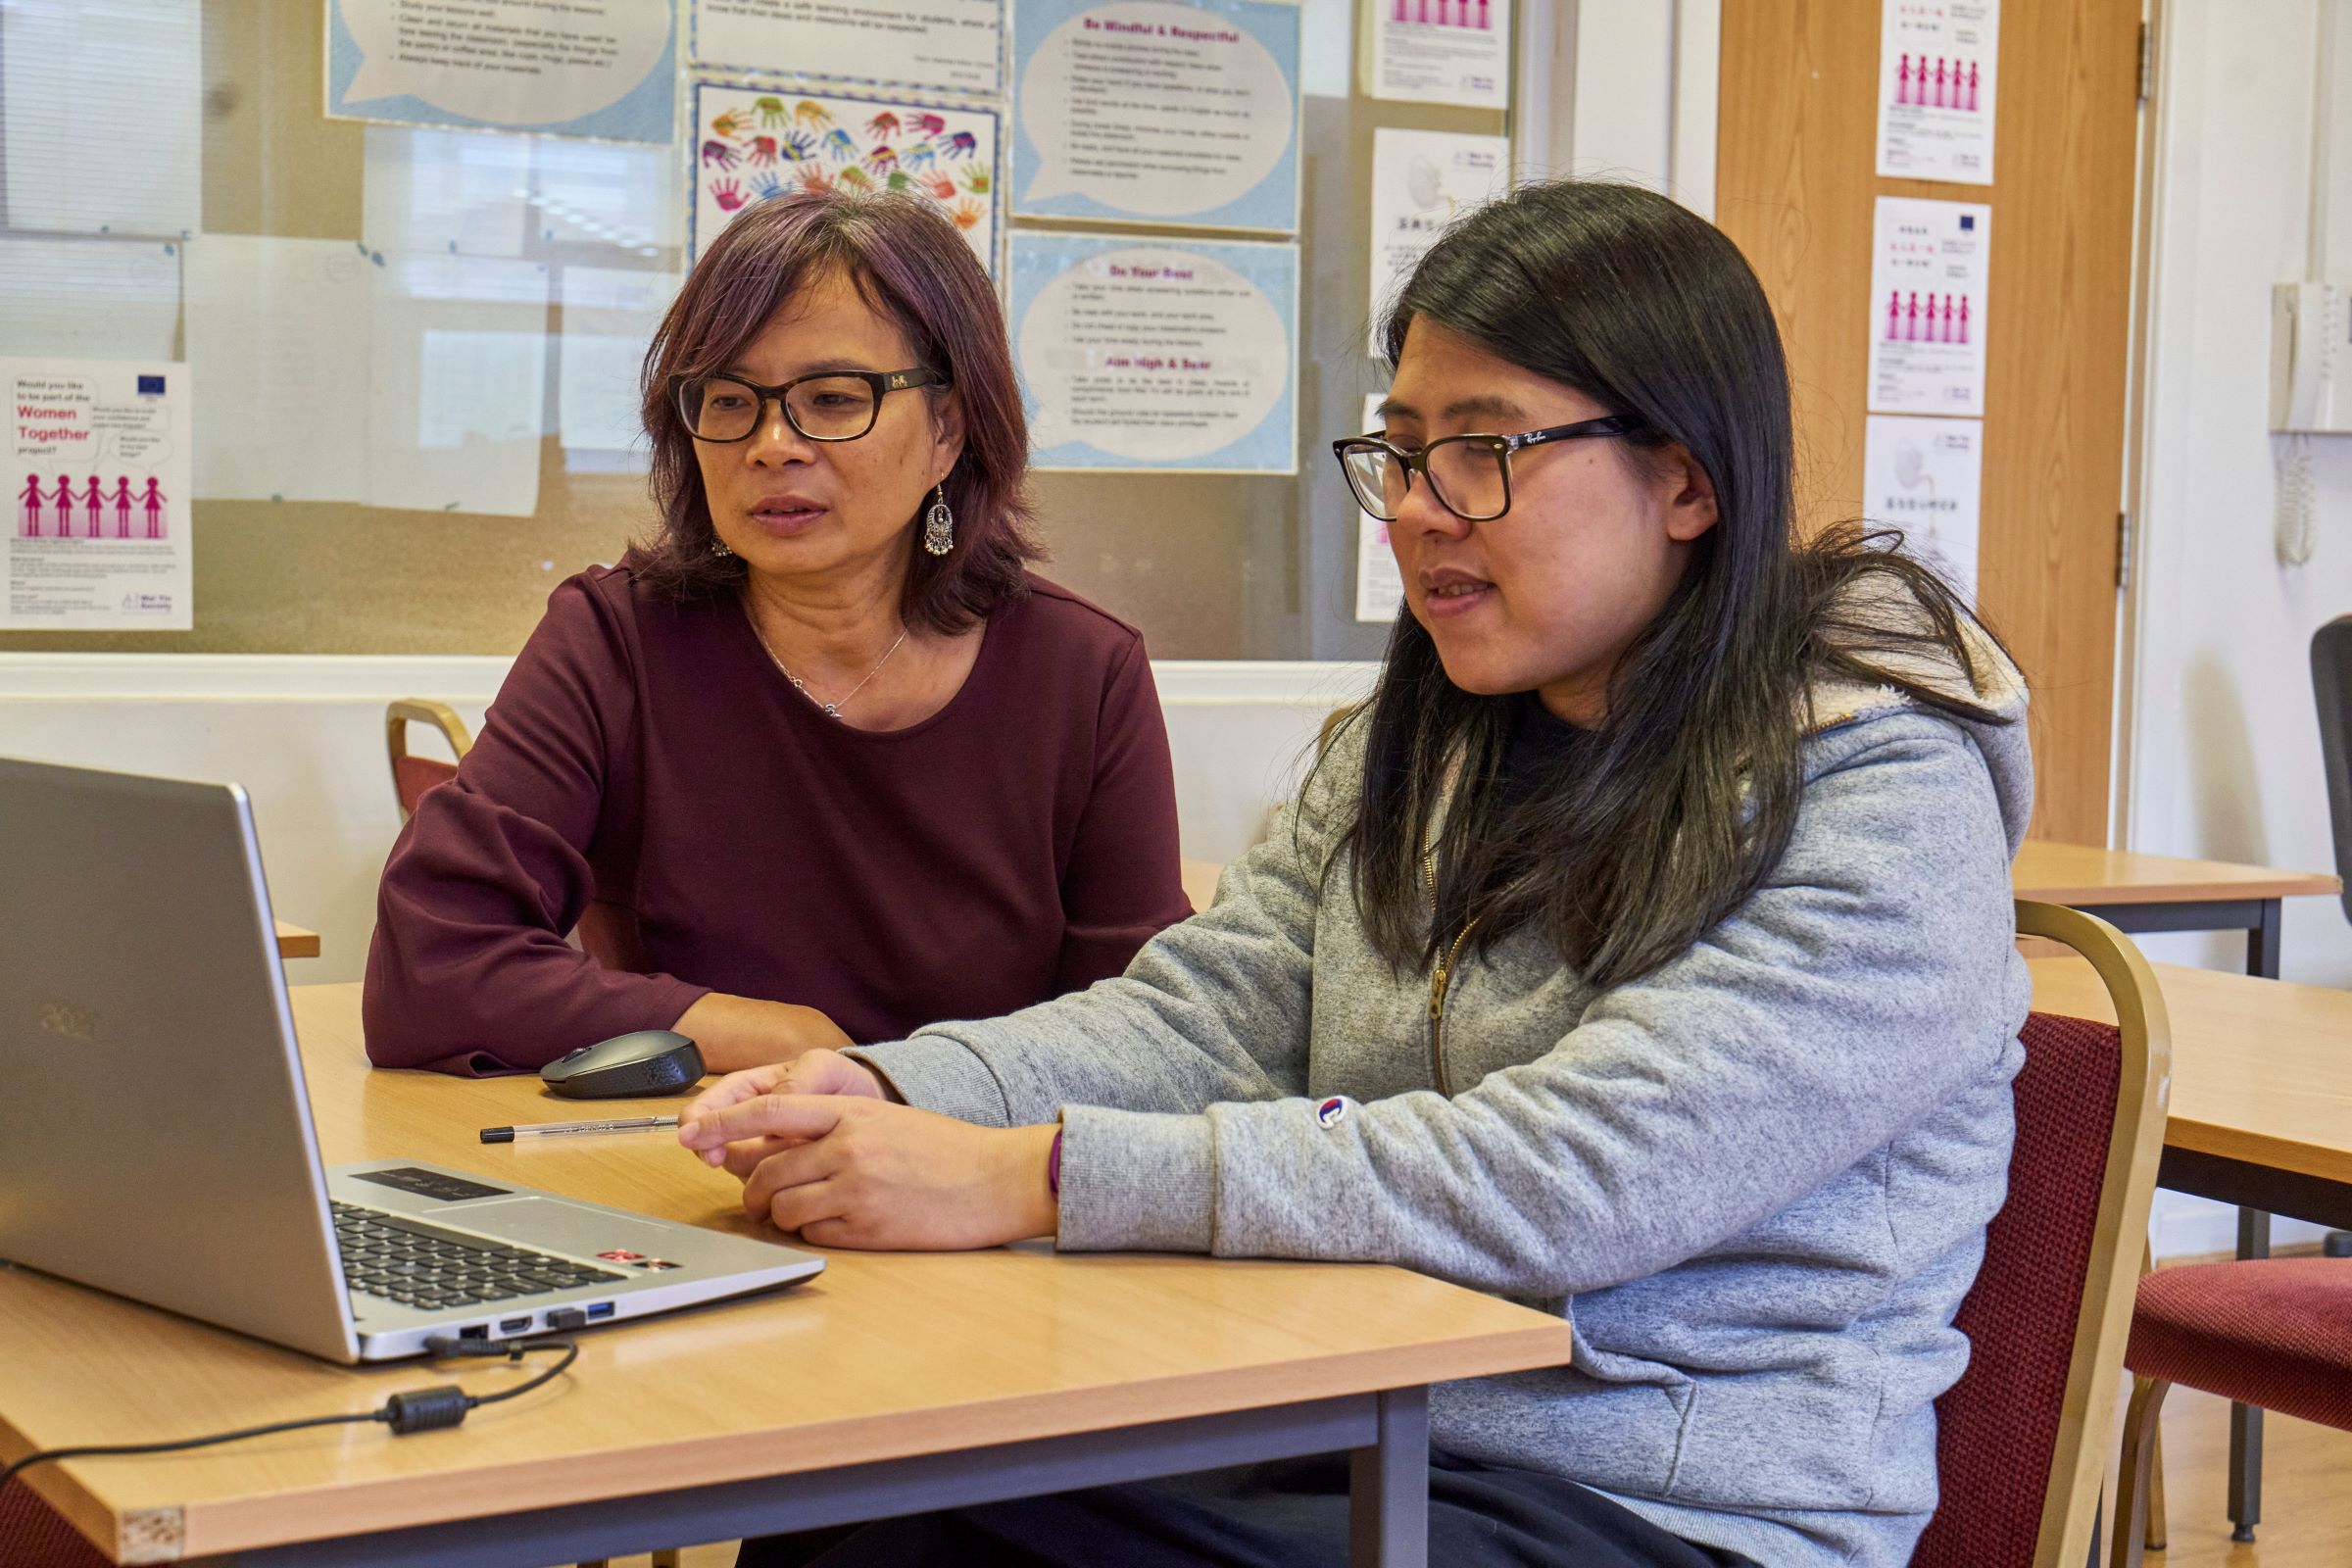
(755,143)
(1140,354)
(604,68)
(1182,115)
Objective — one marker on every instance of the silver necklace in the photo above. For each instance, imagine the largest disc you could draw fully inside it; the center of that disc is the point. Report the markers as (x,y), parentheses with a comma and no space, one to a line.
(832,710)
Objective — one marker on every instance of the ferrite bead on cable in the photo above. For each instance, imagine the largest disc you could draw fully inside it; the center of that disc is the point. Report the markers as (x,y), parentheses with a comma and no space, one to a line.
(428,1409)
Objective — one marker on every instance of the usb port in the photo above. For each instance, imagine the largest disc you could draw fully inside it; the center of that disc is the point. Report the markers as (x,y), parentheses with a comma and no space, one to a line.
(511,1325)
(599,1310)
(476,1330)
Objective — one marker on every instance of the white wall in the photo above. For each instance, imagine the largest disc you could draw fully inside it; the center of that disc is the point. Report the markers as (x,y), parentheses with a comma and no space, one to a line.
(306,738)
(2224,757)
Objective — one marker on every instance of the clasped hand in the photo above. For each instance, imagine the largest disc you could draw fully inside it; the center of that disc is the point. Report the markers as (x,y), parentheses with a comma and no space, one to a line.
(822,1150)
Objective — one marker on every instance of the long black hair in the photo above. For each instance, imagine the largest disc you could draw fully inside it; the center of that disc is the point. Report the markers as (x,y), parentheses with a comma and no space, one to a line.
(1681,800)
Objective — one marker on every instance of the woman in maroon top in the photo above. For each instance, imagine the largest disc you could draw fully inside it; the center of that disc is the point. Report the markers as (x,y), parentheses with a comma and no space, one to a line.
(821,762)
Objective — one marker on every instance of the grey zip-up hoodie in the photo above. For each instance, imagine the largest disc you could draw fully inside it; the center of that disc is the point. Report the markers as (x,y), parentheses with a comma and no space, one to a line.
(1755,1181)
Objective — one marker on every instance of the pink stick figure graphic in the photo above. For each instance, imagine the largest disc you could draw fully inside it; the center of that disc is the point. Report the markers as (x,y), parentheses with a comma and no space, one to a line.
(1401,15)
(1903,80)
(92,500)
(1486,21)
(1424,16)
(123,506)
(33,506)
(1911,321)
(1972,86)
(1964,320)
(1894,318)
(155,509)
(63,502)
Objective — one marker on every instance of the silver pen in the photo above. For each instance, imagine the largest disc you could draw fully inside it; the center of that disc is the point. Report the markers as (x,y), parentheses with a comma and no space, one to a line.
(576,1129)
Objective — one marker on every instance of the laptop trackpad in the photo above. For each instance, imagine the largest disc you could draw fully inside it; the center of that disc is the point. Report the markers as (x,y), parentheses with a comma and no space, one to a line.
(553,1225)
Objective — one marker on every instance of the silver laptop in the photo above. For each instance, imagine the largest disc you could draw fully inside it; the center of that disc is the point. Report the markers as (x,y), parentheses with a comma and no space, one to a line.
(156,1138)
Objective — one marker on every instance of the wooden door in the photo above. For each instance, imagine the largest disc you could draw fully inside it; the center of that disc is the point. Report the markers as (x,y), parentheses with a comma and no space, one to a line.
(1796,188)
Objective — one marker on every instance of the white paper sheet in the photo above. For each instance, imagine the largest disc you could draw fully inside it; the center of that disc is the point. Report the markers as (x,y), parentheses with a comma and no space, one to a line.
(908,43)
(1925,478)
(1936,64)
(445,191)
(1379,586)
(609,318)
(101,133)
(458,373)
(277,331)
(99,481)
(1440,52)
(93,299)
(340,374)
(610,194)
(1928,280)
(1420,180)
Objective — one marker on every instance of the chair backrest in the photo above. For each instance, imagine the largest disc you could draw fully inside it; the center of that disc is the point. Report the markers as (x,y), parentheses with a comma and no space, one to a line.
(33,1534)
(2051,1311)
(412,777)
(2331,687)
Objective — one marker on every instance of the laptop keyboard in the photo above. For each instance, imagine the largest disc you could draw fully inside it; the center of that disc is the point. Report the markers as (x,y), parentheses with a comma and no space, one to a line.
(419,1265)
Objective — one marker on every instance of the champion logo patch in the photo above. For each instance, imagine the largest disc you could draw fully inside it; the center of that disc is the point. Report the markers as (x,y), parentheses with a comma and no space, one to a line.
(1331,1111)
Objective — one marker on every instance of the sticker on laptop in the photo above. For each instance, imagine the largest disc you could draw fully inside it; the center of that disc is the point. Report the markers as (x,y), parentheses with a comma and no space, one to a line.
(622,1255)
(1331,1111)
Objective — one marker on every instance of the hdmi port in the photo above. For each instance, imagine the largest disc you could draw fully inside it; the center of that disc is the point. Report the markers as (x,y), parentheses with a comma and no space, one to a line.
(514,1325)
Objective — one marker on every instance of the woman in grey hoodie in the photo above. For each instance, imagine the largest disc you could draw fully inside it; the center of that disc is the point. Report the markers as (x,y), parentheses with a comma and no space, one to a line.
(1642,951)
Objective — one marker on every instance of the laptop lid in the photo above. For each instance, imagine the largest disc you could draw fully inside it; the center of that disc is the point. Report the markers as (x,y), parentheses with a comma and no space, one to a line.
(155,1131)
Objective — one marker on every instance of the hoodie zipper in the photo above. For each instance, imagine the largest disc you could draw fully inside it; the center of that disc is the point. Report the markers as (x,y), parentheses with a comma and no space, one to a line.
(1441,978)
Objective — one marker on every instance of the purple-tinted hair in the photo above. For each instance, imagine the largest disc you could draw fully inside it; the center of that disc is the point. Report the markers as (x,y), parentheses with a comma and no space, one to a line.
(910,262)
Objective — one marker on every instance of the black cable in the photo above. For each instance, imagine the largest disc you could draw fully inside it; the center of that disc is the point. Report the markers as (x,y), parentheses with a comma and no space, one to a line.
(418,1410)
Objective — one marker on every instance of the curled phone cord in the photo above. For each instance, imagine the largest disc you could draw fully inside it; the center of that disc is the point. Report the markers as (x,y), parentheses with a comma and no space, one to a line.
(2298,499)
(415,1410)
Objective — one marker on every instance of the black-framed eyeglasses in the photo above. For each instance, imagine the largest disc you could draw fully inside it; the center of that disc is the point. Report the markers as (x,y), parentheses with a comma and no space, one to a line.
(1469,475)
(828,406)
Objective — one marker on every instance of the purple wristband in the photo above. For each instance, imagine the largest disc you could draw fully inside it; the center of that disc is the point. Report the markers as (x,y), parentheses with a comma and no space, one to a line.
(1053,1166)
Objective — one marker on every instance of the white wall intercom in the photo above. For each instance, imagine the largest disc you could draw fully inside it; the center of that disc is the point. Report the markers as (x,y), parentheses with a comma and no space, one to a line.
(2311,358)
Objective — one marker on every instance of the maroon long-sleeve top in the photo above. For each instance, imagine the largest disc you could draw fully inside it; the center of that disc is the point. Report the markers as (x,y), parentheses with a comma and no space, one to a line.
(645,757)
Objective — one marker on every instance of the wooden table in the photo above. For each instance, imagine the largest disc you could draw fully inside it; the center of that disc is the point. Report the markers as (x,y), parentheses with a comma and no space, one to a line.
(2261,1109)
(889,1382)
(2145,893)
(293,941)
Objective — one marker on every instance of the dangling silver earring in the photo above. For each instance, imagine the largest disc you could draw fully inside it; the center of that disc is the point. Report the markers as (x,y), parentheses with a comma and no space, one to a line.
(718,547)
(939,524)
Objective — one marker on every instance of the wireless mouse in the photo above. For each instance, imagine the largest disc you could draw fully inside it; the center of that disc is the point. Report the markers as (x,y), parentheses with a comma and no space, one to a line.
(650,1061)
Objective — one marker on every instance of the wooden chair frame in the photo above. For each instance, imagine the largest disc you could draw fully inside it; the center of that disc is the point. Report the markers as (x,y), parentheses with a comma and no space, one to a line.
(403,712)
(2111,1284)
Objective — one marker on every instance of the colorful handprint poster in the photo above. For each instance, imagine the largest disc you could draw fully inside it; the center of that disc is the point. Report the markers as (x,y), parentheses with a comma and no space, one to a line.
(922,46)
(755,143)
(98,480)
(1182,112)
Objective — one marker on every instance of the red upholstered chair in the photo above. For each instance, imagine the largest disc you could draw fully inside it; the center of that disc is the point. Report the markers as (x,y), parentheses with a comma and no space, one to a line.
(33,1534)
(2274,1333)
(2021,1437)
(412,777)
